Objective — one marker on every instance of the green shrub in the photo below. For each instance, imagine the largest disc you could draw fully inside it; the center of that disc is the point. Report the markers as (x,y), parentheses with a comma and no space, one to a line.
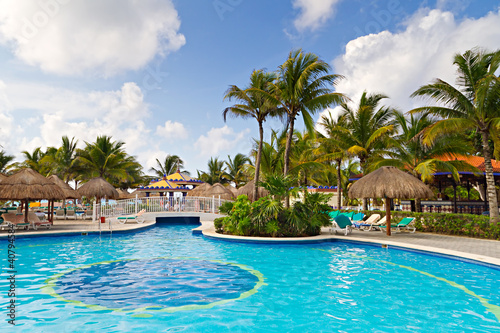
(268,217)
(226,207)
(219,224)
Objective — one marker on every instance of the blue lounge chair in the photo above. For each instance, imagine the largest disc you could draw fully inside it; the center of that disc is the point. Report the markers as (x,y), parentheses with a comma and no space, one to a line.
(341,223)
(404,224)
(350,215)
(334,214)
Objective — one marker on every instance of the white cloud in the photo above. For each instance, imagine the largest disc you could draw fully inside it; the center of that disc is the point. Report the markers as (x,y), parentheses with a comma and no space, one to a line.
(222,139)
(42,117)
(313,13)
(100,37)
(396,64)
(172,130)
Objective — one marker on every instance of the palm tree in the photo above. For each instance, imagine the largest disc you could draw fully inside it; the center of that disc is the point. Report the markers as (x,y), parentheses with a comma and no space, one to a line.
(303,86)
(473,105)
(333,147)
(171,164)
(236,169)
(255,106)
(108,159)
(272,154)
(5,161)
(303,158)
(413,156)
(367,129)
(33,161)
(216,172)
(60,161)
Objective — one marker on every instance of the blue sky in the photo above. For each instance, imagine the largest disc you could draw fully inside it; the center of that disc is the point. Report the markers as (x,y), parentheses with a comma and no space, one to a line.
(153,73)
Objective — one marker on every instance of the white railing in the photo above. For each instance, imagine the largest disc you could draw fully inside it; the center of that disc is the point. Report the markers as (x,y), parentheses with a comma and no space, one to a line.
(160,205)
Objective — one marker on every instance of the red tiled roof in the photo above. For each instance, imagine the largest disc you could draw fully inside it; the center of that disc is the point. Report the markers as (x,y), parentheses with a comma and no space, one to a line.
(475,161)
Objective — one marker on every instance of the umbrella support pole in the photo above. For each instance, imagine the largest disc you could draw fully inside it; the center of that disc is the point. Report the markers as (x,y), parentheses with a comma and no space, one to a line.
(388,215)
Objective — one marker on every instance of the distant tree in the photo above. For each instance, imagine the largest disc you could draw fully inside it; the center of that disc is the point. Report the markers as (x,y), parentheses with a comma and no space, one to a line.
(170,165)
(5,161)
(236,169)
(216,172)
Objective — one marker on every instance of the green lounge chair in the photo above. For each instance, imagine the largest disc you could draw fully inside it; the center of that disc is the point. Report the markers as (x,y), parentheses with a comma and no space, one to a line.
(136,217)
(341,223)
(334,214)
(404,224)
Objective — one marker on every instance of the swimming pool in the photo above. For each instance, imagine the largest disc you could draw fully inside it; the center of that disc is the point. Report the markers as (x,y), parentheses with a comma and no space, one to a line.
(166,279)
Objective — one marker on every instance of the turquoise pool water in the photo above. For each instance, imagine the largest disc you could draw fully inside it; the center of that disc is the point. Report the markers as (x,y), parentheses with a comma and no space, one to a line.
(165,279)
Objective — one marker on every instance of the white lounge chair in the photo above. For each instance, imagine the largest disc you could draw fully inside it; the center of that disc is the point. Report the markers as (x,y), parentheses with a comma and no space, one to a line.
(59,214)
(36,222)
(70,213)
(139,218)
(15,220)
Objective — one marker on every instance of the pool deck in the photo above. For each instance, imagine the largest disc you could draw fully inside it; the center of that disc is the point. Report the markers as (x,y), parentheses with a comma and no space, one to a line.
(480,250)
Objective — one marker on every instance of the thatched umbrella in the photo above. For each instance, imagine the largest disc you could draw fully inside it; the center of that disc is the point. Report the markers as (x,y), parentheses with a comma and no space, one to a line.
(219,190)
(249,188)
(69,193)
(199,190)
(140,194)
(123,194)
(27,185)
(99,188)
(389,183)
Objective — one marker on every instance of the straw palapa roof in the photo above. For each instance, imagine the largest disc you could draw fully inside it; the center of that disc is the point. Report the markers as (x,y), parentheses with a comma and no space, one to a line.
(123,194)
(98,187)
(69,193)
(249,188)
(28,184)
(219,190)
(199,190)
(390,182)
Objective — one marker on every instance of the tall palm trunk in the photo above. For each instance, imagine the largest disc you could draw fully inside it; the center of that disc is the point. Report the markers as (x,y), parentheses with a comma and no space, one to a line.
(288,147)
(362,164)
(490,180)
(339,185)
(257,162)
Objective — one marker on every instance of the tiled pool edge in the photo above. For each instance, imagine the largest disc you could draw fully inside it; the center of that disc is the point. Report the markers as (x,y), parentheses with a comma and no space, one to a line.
(208,231)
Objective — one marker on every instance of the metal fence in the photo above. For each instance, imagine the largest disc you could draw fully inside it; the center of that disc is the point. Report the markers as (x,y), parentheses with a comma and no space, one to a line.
(160,204)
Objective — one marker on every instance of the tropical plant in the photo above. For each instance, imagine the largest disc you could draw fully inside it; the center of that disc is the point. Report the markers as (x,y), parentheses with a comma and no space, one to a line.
(5,161)
(33,161)
(236,169)
(170,165)
(473,105)
(367,130)
(303,86)
(252,105)
(216,172)
(333,148)
(107,158)
(423,161)
(60,160)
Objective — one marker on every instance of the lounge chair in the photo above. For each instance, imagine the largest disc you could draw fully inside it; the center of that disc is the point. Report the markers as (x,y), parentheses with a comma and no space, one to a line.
(350,215)
(15,220)
(334,214)
(139,218)
(36,222)
(404,224)
(369,223)
(341,223)
(59,214)
(70,213)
